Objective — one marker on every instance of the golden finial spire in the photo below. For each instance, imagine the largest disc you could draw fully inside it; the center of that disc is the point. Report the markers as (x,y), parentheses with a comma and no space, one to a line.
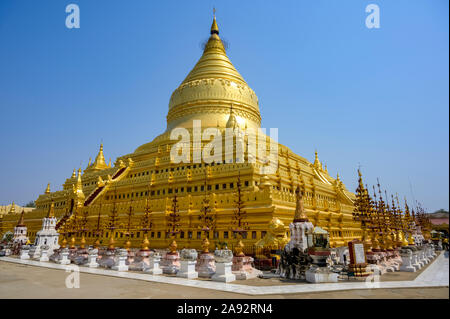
(406,209)
(90,161)
(79,184)
(74,173)
(109,164)
(51,210)
(360,181)
(99,162)
(317,163)
(299,215)
(214,26)
(47,190)
(12,210)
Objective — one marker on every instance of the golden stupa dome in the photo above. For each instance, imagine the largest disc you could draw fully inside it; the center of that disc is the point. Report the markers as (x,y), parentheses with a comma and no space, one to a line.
(210,89)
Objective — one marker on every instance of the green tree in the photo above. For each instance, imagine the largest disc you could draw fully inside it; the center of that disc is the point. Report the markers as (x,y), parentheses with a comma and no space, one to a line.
(31,204)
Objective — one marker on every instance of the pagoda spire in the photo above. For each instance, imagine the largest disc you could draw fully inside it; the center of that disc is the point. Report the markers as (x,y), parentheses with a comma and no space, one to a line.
(407,214)
(51,210)
(214,26)
(214,62)
(99,162)
(74,173)
(79,184)
(317,163)
(360,181)
(21,222)
(12,210)
(47,190)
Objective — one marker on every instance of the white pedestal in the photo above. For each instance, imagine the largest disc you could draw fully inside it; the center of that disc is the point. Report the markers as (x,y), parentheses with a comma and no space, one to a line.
(65,257)
(121,261)
(320,277)
(429,252)
(223,272)
(407,264)
(415,261)
(24,254)
(44,255)
(388,267)
(154,266)
(376,269)
(187,269)
(92,259)
(35,253)
(425,258)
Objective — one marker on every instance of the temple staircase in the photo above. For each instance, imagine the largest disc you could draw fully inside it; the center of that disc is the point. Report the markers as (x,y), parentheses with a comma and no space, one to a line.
(65,217)
(62,220)
(103,187)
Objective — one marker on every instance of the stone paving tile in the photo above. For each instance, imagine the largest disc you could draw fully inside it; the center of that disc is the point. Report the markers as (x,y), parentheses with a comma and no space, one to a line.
(436,275)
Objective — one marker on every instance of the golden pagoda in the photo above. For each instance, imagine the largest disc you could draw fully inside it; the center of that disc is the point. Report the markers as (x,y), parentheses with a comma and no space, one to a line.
(215,93)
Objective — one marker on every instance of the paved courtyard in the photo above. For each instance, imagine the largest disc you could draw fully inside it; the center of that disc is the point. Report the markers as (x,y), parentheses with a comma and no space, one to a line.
(20,280)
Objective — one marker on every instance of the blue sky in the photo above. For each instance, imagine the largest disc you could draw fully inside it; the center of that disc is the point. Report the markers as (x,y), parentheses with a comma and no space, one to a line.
(371,97)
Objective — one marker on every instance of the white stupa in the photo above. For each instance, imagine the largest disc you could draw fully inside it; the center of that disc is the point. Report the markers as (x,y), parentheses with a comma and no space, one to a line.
(48,236)
(20,232)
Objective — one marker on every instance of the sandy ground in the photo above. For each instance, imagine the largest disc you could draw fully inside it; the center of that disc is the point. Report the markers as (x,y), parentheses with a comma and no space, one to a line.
(23,281)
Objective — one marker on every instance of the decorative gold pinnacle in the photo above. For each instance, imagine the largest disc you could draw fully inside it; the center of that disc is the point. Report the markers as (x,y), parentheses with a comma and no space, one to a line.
(300,215)
(64,242)
(173,247)
(214,26)
(72,242)
(239,249)
(145,243)
(205,246)
(111,242)
(51,211)
(82,242)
